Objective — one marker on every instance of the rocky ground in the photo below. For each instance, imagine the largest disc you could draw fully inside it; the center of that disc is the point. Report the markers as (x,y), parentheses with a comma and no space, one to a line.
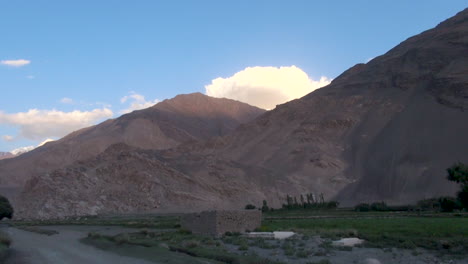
(308,250)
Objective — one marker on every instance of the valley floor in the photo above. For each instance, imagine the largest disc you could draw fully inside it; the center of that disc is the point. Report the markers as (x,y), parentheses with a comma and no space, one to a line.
(406,238)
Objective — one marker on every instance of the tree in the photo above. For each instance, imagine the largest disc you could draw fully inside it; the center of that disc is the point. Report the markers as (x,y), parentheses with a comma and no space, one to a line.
(265,207)
(459,174)
(5,208)
(447,204)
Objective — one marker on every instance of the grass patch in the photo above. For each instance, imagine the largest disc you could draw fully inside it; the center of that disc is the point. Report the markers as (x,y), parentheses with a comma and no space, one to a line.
(135,221)
(156,254)
(38,230)
(5,239)
(181,243)
(5,243)
(350,213)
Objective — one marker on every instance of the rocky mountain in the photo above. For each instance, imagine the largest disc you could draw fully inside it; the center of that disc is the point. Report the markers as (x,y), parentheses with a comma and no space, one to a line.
(6,155)
(166,124)
(385,130)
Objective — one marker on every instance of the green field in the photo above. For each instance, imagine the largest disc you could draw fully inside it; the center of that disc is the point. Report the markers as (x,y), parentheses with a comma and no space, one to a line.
(171,247)
(435,231)
(445,234)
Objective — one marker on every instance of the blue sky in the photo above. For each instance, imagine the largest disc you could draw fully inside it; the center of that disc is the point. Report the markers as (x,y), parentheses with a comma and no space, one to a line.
(105,55)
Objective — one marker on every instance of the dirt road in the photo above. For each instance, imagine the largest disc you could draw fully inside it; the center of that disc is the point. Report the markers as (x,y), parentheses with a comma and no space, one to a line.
(63,248)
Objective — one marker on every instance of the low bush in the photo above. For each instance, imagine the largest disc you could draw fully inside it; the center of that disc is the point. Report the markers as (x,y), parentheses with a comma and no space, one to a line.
(362,207)
(379,206)
(250,207)
(448,204)
(5,239)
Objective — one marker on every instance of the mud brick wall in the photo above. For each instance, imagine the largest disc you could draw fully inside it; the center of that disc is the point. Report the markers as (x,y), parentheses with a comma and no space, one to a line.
(219,222)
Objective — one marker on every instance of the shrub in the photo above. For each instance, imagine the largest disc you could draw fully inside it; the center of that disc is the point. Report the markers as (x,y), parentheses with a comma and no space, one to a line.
(379,206)
(6,210)
(428,204)
(244,247)
(250,207)
(5,239)
(332,205)
(447,204)
(362,207)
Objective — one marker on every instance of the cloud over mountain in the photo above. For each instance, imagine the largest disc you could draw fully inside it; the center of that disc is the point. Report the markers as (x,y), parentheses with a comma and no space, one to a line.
(137,102)
(38,124)
(265,87)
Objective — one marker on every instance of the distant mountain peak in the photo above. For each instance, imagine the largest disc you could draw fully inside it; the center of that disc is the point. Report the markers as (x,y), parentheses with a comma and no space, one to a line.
(167,124)
(6,155)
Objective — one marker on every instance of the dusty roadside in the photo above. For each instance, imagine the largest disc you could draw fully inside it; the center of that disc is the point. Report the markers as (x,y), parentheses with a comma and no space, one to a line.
(62,248)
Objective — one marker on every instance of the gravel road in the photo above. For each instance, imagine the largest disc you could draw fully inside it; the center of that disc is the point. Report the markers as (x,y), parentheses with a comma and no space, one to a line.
(63,248)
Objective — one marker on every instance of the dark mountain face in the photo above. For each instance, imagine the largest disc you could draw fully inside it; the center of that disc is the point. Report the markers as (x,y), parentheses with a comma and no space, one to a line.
(385,130)
(165,125)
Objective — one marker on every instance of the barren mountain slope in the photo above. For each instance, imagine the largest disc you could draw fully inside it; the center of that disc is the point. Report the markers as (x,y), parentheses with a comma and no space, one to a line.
(124,179)
(385,130)
(167,124)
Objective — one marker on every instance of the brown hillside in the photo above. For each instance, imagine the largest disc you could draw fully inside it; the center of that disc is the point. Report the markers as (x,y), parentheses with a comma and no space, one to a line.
(165,125)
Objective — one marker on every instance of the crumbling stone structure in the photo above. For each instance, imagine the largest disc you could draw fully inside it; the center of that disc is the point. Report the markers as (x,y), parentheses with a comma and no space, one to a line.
(219,222)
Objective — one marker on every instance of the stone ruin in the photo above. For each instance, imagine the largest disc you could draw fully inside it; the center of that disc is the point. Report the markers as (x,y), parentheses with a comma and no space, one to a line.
(217,223)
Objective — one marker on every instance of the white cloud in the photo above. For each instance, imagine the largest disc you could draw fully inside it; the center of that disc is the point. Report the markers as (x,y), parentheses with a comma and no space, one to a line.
(30,77)
(15,63)
(41,124)
(265,87)
(66,100)
(7,138)
(137,102)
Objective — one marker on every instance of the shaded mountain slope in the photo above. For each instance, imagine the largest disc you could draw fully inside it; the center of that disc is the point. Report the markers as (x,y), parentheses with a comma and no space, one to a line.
(166,124)
(385,130)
